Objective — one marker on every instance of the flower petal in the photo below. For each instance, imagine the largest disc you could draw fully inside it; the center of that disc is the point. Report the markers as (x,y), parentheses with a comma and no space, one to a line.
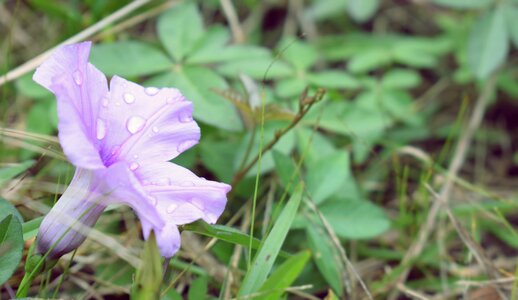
(79,88)
(123,187)
(167,238)
(65,227)
(146,124)
(67,224)
(182,197)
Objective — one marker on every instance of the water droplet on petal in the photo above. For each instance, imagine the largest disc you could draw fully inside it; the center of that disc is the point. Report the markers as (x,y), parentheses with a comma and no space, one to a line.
(151,91)
(153,200)
(135,156)
(134,166)
(185,117)
(171,208)
(128,98)
(106,101)
(135,124)
(186,145)
(78,77)
(101,129)
(155,129)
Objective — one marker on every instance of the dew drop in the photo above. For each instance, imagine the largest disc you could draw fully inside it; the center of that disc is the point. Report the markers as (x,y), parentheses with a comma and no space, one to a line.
(105,102)
(128,98)
(101,129)
(78,77)
(185,145)
(155,129)
(171,208)
(151,91)
(134,166)
(135,156)
(185,117)
(135,124)
(154,201)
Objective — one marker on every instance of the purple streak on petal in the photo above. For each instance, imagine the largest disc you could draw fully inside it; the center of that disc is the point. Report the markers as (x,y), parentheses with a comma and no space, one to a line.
(80,202)
(146,124)
(182,197)
(79,88)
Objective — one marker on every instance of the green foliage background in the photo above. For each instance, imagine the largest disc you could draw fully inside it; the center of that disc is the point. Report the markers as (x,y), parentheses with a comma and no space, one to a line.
(401,80)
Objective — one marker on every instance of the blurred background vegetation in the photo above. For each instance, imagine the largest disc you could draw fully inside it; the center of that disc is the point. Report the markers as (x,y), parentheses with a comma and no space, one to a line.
(409,161)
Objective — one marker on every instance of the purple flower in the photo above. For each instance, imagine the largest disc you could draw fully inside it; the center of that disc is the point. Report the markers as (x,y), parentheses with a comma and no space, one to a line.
(120,139)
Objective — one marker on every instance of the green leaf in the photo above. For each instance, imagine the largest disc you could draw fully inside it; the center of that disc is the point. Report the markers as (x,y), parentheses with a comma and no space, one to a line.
(285,145)
(31,227)
(414,54)
(11,240)
(299,54)
(369,60)
(284,276)
(323,9)
(333,79)
(284,166)
(267,254)
(148,278)
(511,16)
(180,28)
(209,45)
(228,54)
(401,79)
(8,173)
(463,4)
(290,87)
(28,87)
(215,156)
(362,10)
(266,67)
(198,289)
(325,256)
(196,84)
(129,58)
(327,175)
(355,219)
(38,120)
(488,43)
(224,233)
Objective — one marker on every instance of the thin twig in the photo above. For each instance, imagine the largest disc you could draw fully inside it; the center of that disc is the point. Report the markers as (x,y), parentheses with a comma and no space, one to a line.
(233,21)
(305,106)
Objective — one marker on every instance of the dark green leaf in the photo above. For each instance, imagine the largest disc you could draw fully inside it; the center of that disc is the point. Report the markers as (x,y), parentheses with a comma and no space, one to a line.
(198,289)
(325,256)
(11,240)
(267,254)
(284,276)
